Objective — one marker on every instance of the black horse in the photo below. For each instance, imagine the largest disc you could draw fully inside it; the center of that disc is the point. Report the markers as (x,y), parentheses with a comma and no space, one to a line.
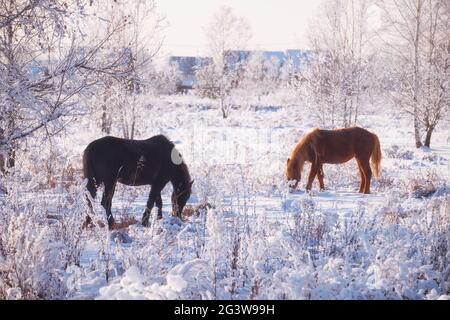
(154,162)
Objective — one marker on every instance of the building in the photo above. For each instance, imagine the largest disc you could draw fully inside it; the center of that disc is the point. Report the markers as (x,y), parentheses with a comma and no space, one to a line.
(234,59)
(187,67)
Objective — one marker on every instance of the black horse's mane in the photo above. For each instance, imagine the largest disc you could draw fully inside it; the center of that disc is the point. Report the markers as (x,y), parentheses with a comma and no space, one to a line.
(183,172)
(184,175)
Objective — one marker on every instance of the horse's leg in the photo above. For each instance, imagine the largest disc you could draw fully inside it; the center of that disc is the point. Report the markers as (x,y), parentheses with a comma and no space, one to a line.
(92,188)
(312,175)
(159,205)
(368,174)
(363,176)
(155,192)
(320,176)
(107,203)
(88,220)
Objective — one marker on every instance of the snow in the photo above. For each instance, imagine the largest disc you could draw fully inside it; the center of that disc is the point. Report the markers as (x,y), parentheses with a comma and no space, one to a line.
(248,237)
(259,241)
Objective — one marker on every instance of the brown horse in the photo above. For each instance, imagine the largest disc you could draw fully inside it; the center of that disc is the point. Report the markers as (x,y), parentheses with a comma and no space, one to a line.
(335,146)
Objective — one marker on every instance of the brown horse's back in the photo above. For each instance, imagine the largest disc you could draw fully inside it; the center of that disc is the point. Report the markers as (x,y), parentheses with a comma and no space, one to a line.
(341,145)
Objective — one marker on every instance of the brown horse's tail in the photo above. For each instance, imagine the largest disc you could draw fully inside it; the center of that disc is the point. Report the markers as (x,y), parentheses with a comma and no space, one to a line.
(375,158)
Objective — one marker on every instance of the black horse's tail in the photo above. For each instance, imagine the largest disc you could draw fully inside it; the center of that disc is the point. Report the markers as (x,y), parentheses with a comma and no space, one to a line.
(88,171)
(91,186)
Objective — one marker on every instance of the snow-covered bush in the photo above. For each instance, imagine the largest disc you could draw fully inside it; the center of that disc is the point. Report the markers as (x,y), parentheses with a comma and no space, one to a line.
(40,237)
(396,152)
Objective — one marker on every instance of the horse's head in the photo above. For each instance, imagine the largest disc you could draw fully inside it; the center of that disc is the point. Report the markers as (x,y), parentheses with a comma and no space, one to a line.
(180,195)
(293,174)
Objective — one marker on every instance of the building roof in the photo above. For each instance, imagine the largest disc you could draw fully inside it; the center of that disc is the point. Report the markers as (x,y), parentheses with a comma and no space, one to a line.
(187,65)
(298,58)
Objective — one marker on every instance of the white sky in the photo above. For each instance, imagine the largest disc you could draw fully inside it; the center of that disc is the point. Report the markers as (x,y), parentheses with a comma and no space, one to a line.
(276,24)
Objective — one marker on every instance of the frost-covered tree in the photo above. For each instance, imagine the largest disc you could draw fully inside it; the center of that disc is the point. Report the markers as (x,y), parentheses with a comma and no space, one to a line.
(261,75)
(225,32)
(340,71)
(141,39)
(48,63)
(165,79)
(415,34)
(208,82)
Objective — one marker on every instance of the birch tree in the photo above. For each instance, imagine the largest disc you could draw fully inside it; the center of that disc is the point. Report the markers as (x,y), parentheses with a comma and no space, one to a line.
(340,70)
(225,32)
(415,36)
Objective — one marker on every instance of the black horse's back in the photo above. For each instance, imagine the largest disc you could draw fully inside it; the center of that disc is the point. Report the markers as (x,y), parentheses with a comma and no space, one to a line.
(108,159)
(160,138)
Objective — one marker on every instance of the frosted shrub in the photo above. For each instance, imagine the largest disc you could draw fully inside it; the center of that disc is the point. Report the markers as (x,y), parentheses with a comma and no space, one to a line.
(189,280)
(193,279)
(38,244)
(425,184)
(207,185)
(437,227)
(398,250)
(411,259)
(217,250)
(51,160)
(156,248)
(280,267)
(165,264)
(397,152)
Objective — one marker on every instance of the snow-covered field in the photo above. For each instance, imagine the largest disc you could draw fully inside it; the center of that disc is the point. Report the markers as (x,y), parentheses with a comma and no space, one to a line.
(258,241)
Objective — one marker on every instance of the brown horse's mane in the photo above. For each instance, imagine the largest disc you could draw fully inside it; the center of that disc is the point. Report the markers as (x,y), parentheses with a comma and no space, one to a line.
(306,148)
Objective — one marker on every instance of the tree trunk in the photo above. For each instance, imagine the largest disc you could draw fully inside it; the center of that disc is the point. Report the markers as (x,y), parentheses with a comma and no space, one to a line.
(428,136)
(416,75)
(133,120)
(8,158)
(222,107)
(2,163)
(106,121)
(417,129)
(10,104)
(345,124)
(11,156)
